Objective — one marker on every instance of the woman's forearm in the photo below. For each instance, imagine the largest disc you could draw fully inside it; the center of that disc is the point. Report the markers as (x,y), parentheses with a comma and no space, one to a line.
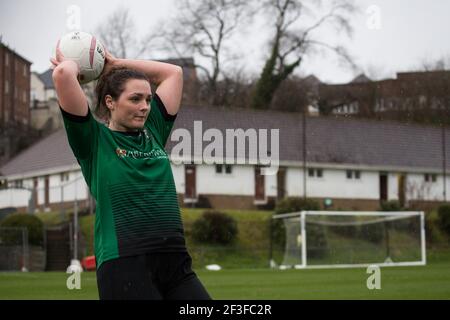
(156,71)
(70,95)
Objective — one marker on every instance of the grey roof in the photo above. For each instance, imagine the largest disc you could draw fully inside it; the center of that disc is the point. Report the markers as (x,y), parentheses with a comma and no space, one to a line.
(332,139)
(51,152)
(12,50)
(46,78)
(329,140)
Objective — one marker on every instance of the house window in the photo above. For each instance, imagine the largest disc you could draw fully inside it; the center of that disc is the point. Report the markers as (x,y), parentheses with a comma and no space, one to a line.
(18,184)
(6,59)
(319,173)
(221,168)
(353,174)
(349,174)
(64,177)
(315,173)
(430,177)
(25,71)
(6,87)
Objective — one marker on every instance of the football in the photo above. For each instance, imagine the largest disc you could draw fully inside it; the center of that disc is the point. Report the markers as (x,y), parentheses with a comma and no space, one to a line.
(87,51)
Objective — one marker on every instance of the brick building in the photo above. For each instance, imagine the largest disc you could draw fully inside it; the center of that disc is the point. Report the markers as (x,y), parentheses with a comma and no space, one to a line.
(14,102)
(422,96)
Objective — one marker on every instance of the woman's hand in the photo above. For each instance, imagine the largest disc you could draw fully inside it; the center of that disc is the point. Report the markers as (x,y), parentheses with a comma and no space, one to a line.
(110,62)
(60,59)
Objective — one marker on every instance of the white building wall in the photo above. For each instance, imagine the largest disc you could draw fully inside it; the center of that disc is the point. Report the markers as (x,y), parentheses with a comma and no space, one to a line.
(49,94)
(41,191)
(271,185)
(333,184)
(14,198)
(37,88)
(76,188)
(418,189)
(393,179)
(28,183)
(448,188)
(55,189)
(179,178)
(294,182)
(240,182)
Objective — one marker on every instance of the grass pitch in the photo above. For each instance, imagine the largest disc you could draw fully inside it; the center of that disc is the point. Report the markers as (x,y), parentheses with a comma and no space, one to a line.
(427,282)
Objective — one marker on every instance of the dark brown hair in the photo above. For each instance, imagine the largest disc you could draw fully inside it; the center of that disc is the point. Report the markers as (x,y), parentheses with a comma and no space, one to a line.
(113,83)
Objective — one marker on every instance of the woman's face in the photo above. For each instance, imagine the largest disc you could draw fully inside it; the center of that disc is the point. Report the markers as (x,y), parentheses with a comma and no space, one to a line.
(130,111)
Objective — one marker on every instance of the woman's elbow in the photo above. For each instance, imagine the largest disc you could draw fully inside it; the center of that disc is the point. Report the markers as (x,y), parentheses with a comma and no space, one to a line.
(59,74)
(178,72)
(64,71)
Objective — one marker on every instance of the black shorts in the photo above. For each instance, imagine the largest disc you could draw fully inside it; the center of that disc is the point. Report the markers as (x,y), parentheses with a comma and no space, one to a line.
(152,276)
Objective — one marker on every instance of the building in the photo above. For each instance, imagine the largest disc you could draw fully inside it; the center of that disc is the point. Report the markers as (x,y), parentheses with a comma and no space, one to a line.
(14,102)
(42,87)
(44,108)
(411,96)
(190,77)
(351,163)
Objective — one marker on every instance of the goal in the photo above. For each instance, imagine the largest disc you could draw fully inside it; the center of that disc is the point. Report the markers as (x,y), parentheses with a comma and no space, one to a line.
(337,239)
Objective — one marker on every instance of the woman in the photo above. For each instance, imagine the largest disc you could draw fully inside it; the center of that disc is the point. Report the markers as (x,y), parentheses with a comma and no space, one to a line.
(139,240)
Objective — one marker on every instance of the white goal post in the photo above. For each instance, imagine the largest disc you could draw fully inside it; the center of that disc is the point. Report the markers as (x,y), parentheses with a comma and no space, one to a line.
(346,239)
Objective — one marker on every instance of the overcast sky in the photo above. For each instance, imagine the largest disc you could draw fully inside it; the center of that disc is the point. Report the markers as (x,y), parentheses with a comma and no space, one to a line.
(409,32)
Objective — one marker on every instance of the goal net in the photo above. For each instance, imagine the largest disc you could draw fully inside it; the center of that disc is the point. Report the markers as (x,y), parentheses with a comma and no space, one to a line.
(333,239)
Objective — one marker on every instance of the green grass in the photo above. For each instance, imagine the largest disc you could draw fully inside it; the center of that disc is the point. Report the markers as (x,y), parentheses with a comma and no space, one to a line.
(427,282)
(244,275)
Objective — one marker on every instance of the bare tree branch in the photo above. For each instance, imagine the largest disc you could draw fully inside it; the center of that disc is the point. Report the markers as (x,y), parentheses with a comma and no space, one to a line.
(205,28)
(294,38)
(118,33)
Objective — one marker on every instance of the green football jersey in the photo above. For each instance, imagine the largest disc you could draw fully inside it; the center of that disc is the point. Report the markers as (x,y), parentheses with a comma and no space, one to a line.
(130,176)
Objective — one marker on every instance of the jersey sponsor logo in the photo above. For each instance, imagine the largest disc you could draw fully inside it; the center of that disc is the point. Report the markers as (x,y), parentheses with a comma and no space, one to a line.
(121,153)
(154,154)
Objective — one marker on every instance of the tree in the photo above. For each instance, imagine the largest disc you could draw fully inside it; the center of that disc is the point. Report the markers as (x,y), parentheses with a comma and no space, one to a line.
(441,64)
(293,39)
(205,28)
(118,34)
(295,94)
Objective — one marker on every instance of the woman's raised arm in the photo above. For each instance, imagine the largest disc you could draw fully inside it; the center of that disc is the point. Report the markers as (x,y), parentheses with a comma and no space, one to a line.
(167,77)
(65,78)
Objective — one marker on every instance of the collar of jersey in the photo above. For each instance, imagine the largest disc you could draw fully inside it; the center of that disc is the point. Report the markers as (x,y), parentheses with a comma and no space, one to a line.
(129,133)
